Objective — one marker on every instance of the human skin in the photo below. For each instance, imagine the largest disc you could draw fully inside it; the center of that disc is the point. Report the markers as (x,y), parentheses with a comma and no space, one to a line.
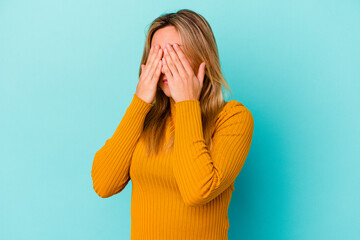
(162,36)
(167,61)
(182,83)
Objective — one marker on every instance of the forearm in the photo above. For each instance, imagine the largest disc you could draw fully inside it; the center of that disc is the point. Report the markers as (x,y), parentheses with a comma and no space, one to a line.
(110,169)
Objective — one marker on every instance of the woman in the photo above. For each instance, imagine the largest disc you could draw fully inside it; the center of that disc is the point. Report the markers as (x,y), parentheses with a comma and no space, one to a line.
(179,142)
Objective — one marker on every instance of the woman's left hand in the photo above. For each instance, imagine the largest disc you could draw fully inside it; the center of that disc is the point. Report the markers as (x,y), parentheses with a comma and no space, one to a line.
(182,82)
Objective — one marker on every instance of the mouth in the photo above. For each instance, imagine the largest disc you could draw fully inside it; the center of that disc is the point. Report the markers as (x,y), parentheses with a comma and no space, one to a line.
(165,81)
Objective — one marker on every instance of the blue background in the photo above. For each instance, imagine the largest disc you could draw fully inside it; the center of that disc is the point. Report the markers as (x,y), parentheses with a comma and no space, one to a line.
(69,69)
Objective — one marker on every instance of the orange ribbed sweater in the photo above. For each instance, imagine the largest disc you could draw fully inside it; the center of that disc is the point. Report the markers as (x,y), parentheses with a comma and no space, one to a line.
(179,195)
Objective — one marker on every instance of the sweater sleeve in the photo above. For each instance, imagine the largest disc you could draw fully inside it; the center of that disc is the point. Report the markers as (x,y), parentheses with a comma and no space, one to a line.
(111,164)
(202,175)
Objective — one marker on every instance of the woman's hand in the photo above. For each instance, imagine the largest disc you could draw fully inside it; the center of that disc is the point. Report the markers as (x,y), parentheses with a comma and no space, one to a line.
(150,74)
(182,82)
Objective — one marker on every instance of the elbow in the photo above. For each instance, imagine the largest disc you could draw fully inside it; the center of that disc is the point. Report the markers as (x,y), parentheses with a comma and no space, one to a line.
(199,195)
(104,189)
(193,203)
(195,200)
(101,190)
(99,182)
(100,194)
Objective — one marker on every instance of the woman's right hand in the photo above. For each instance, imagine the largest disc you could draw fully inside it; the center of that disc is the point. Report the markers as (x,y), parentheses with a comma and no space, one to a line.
(150,74)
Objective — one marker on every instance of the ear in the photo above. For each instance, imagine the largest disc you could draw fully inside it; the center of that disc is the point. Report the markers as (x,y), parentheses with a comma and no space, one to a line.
(201,74)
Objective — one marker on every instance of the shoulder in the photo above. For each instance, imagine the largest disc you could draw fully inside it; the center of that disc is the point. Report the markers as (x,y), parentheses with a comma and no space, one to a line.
(233,115)
(233,108)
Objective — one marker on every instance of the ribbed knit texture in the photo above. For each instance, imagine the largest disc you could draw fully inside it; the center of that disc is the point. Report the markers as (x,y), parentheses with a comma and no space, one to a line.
(179,195)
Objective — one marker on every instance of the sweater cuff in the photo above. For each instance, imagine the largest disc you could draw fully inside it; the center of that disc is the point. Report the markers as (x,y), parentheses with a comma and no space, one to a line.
(188,120)
(139,106)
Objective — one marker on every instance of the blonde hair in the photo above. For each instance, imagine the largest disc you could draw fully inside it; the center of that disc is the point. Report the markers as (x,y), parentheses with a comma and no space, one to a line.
(199,45)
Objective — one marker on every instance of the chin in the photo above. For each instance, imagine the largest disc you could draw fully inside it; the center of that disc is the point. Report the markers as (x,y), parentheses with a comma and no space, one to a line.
(165,89)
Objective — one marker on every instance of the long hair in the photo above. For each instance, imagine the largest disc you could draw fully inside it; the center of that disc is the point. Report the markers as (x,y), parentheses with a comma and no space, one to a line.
(199,45)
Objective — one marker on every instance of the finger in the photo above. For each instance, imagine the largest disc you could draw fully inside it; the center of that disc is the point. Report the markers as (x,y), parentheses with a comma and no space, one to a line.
(151,67)
(201,74)
(152,55)
(167,71)
(170,65)
(145,68)
(185,62)
(157,72)
(155,63)
(142,74)
(176,60)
